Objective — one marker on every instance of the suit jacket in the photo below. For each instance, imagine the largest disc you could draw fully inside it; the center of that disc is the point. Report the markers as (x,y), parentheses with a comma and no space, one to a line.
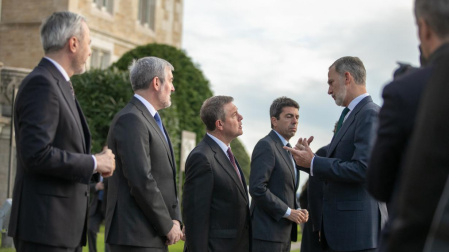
(273,189)
(215,202)
(425,168)
(438,236)
(351,218)
(53,165)
(396,123)
(141,195)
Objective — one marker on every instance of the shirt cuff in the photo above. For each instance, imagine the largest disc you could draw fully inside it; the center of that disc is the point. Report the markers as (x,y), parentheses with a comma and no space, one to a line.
(287,213)
(95,164)
(311,166)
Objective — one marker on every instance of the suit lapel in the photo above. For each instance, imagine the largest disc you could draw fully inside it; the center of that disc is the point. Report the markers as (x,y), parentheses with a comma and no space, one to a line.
(85,126)
(347,124)
(150,119)
(67,95)
(284,154)
(225,164)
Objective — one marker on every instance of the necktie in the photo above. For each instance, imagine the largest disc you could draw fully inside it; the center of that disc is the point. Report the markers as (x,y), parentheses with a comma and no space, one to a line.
(159,123)
(294,164)
(342,118)
(232,159)
(71,89)
(101,192)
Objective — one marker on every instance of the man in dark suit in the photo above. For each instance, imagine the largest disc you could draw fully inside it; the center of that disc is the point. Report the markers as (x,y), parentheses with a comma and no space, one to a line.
(351,219)
(50,199)
(215,199)
(396,122)
(425,168)
(273,182)
(142,212)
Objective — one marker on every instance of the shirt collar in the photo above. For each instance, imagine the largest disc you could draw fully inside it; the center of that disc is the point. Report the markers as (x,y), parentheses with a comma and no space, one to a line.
(284,142)
(148,105)
(59,67)
(356,101)
(220,143)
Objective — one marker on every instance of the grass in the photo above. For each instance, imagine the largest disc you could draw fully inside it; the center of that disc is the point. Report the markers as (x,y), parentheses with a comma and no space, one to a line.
(178,247)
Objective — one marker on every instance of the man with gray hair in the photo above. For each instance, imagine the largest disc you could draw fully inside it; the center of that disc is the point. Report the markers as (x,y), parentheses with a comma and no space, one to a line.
(425,166)
(215,200)
(142,212)
(351,218)
(54,164)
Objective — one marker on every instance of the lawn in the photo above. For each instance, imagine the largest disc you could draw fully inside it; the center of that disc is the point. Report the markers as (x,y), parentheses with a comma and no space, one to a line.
(178,247)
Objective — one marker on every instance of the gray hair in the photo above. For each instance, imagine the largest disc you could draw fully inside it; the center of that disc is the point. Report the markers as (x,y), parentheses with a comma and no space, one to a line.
(280,103)
(354,66)
(143,71)
(436,14)
(213,110)
(58,28)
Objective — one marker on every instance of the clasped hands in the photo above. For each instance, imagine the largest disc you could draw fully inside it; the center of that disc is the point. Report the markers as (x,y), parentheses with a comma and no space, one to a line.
(298,216)
(175,233)
(302,153)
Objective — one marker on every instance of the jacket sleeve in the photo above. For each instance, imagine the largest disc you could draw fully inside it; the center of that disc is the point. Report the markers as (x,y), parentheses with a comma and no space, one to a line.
(262,165)
(197,199)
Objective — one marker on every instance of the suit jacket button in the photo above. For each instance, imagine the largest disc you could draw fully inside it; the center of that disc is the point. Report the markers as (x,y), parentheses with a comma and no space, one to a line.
(85,193)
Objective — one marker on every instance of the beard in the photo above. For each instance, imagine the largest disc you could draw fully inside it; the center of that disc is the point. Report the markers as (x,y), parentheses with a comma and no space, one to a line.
(340,97)
(165,102)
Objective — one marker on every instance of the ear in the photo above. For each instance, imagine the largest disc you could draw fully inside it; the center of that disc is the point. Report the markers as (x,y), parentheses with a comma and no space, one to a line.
(348,78)
(73,44)
(274,121)
(155,83)
(219,124)
(424,31)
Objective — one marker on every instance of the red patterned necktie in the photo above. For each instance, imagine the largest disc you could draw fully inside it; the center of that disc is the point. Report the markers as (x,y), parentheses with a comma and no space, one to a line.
(71,89)
(232,159)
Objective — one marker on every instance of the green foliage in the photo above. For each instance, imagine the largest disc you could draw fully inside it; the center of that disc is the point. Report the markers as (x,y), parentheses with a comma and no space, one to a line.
(101,94)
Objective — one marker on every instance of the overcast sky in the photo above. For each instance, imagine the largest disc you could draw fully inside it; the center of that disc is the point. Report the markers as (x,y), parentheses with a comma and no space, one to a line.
(258,50)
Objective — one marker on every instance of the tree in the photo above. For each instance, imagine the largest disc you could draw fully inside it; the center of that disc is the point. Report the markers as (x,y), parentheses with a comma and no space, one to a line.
(101,94)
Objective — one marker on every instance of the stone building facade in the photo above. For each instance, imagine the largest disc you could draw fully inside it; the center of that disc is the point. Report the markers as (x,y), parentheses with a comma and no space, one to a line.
(116,26)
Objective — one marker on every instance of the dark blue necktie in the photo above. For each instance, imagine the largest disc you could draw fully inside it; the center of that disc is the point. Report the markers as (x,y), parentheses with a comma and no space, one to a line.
(101,192)
(159,123)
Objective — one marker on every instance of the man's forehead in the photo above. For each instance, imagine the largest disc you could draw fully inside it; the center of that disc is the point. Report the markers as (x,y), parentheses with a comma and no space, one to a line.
(290,110)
